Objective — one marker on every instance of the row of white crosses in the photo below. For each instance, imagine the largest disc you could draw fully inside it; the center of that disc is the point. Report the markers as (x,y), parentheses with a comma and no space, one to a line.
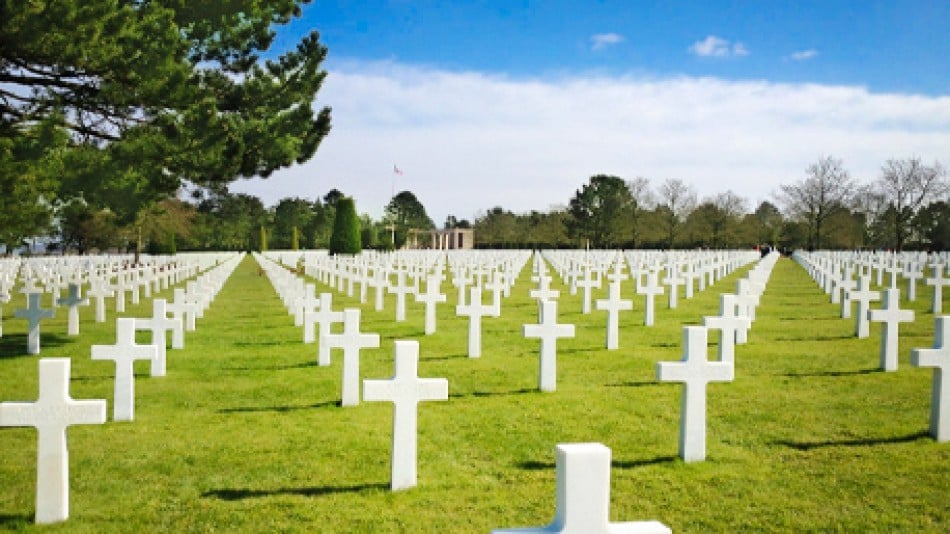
(583,469)
(79,273)
(821,266)
(55,410)
(833,273)
(405,389)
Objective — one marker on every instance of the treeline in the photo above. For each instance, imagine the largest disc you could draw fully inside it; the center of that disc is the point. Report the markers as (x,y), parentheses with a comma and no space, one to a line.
(905,207)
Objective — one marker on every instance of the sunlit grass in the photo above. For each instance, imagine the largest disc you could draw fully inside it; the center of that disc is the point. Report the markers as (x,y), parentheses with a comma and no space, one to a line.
(245,433)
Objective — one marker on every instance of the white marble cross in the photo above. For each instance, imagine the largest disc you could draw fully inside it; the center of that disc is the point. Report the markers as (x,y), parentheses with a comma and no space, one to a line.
(613,305)
(939,358)
(673,279)
(937,281)
(891,315)
(587,283)
(729,323)
(34,313)
(474,310)
(405,390)
(846,285)
(51,415)
(351,340)
(124,353)
(497,287)
(863,296)
(158,324)
(183,308)
(73,301)
(401,289)
(430,298)
(324,316)
(549,332)
(912,273)
(695,371)
(582,505)
(99,290)
(650,290)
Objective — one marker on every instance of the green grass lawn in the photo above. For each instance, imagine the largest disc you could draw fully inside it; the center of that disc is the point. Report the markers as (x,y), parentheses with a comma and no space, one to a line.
(245,432)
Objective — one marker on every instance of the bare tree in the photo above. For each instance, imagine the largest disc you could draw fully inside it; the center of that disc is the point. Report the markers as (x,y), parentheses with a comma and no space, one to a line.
(906,185)
(643,200)
(825,189)
(676,200)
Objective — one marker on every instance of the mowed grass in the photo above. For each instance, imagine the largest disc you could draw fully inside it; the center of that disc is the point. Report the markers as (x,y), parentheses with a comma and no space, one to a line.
(246,434)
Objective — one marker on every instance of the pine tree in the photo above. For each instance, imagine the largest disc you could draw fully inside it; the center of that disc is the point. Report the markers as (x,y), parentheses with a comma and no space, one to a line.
(346,229)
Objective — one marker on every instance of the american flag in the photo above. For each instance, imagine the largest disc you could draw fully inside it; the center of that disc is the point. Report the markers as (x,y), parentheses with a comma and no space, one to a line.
(396,170)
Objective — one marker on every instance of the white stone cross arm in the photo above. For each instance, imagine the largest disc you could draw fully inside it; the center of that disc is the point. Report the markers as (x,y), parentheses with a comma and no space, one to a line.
(51,415)
(695,372)
(34,313)
(583,496)
(939,358)
(405,390)
(890,315)
(124,353)
(548,331)
(351,341)
(72,301)
(158,324)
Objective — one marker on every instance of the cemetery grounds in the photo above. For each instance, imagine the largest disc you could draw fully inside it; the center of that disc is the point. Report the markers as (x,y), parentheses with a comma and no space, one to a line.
(245,433)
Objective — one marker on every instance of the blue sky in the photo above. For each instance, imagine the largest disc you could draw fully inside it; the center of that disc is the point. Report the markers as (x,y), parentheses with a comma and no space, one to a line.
(518,103)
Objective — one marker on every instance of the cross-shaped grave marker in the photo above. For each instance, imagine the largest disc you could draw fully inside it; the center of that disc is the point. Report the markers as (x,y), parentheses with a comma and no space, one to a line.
(52,413)
(405,390)
(430,298)
(582,504)
(351,340)
(474,310)
(863,296)
(324,316)
(939,358)
(34,313)
(729,323)
(73,300)
(587,283)
(649,291)
(124,353)
(99,290)
(937,281)
(158,324)
(695,371)
(549,332)
(613,305)
(891,315)
(401,289)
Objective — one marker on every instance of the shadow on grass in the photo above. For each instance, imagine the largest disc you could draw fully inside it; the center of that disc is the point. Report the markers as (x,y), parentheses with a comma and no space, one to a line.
(12,521)
(811,318)
(866,442)
(442,358)
(316,491)
(493,393)
(833,373)
(814,338)
(635,384)
(259,343)
(280,409)
(303,365)
(14,345)
(533,465)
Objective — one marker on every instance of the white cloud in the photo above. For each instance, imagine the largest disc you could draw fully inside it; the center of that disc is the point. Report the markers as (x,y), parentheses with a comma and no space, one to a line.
(713,46)
(469,141)
(804,55)
(603,40)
